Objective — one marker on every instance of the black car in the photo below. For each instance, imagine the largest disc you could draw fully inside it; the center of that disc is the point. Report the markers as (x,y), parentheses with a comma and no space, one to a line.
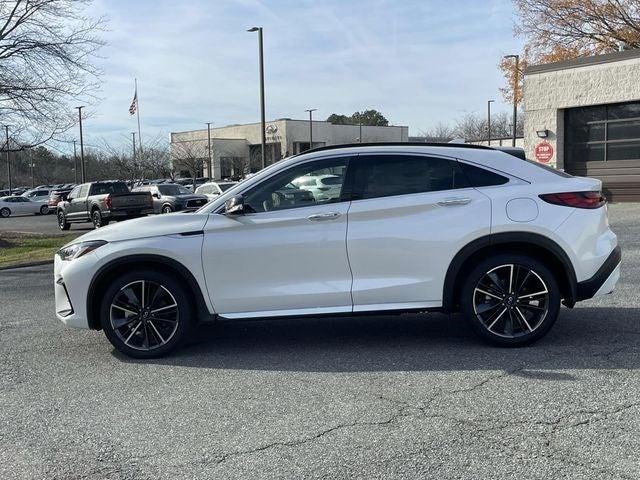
(171,197)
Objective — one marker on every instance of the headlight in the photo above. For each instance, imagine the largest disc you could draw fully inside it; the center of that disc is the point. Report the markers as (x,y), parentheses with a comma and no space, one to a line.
(76,250)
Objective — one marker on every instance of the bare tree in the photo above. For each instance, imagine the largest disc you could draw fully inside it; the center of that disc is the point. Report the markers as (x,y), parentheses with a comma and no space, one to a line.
(190,156)
(46,53)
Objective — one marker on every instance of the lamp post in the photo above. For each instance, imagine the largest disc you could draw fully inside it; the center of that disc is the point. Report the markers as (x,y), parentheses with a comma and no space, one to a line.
(489,102)
(515,96)
(82,170)
(133,143)
(75,162)
(263,125)
(6,129)
(311,110)
(33,177)
(210,162)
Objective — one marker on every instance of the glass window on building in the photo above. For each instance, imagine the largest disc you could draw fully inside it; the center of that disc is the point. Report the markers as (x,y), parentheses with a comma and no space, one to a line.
(603,133)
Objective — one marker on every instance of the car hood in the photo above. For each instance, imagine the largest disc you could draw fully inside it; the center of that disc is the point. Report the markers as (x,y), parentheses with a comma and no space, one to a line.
(152,226)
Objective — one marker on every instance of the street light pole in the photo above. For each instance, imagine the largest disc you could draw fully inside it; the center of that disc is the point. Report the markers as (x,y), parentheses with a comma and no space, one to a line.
(515,96)
(489,102)
(33,179)
(133,138)
(263,125)
(360,137)
(82,170)
(75,162)
(210,163)
(6,129)
(311,110)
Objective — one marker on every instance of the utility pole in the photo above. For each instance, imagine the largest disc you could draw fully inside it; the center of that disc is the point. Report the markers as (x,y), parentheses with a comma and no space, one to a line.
(516,77)
(360,137)
(33,179)
(82,169)
(489,102)
(311,110)
(263,125)
(75,162)
(6,129)
(210,162)
(133,138)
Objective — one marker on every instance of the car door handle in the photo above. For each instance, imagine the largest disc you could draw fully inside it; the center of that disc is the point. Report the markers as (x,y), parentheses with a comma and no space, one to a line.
(447,202)
(319,217)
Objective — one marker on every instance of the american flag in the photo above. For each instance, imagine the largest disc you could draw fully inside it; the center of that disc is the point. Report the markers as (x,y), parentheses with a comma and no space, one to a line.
(134,103)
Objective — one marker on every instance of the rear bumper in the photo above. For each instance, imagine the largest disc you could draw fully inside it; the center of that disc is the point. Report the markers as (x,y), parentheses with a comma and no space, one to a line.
(116,214)
(604,280)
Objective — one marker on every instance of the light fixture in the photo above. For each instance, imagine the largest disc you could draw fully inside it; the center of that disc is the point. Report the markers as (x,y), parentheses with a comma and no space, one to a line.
(542,133)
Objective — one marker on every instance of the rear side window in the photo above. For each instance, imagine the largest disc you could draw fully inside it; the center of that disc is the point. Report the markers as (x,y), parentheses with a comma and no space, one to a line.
(560,173)
(479,177)
(115,187)
(389,175)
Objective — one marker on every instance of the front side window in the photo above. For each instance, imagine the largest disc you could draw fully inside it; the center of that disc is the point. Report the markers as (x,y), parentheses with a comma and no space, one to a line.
(83,191)
(397,174)
(279,192)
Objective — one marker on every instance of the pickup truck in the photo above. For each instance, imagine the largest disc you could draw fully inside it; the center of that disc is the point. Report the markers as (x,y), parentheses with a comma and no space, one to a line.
(101,202)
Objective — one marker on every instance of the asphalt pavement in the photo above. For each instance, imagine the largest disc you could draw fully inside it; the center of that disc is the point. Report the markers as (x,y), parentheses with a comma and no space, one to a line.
(407,396)
(44,224)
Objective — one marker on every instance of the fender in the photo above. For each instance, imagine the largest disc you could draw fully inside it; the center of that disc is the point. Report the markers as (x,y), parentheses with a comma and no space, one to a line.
(522,238)
(103,272)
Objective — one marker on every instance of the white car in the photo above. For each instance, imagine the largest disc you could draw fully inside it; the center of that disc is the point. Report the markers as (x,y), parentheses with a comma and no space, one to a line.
(417,227)
(323,187)
(19,205)
(214,189)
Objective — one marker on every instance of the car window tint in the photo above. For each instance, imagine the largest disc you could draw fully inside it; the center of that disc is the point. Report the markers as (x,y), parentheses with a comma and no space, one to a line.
(480,177)
(279,193)
(103,188)
(389,175)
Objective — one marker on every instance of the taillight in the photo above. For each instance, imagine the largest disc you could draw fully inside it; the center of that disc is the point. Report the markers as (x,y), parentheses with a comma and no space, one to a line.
(576,199)
(107,201)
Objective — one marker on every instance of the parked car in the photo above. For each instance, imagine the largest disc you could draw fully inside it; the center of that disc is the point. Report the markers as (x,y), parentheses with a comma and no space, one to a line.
(18,205)
(323,187)
(214,189)
(40,196)
(417,227)
(170,197)
(102,202)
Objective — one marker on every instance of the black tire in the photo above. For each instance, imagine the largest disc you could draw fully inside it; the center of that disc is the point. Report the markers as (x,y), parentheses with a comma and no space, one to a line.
(503,299)
(44,210)
(162,336)
(166,209)
(98,220)
(5,212)
(62,221)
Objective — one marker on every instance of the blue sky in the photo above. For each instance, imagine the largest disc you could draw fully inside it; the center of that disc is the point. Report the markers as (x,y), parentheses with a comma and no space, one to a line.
(419,62)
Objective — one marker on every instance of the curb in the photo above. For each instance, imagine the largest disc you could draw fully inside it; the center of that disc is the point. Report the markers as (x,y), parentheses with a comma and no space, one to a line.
(24,265)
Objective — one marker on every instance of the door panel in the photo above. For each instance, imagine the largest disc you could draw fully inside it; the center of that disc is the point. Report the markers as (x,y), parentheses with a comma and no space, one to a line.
(278,261)
(410,215)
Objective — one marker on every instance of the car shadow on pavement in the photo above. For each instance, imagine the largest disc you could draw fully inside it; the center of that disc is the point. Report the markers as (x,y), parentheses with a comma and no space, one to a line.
(583,338)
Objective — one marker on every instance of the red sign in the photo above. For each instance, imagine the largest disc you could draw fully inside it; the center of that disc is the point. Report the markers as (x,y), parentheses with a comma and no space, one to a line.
(544,152)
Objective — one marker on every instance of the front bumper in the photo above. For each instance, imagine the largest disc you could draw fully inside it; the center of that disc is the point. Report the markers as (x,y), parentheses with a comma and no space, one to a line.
(604,280)
(70,286)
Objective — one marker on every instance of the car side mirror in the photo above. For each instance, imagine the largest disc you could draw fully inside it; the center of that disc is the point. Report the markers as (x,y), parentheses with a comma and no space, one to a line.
(155,195)
(234,206)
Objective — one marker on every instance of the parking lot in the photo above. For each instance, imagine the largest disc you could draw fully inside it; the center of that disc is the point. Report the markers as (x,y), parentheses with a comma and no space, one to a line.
(44,224)
(409,396)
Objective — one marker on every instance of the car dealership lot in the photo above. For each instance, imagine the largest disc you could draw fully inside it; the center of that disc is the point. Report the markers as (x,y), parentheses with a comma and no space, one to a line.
(404,396)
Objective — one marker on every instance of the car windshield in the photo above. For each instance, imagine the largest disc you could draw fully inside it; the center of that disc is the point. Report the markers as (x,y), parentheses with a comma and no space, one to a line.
(225,186)
(173,190)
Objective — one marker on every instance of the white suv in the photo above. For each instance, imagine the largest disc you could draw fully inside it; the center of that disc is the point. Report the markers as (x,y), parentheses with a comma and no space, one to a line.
(416,227)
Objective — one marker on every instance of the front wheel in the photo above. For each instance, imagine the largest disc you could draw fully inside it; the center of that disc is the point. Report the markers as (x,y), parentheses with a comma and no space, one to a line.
(44,210)
(5,212)
(62,221)
(511,300)
(146,314)
(167,209)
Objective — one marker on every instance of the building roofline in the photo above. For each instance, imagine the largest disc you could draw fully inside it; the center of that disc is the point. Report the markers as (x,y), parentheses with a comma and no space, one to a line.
(398,144)
(583,62)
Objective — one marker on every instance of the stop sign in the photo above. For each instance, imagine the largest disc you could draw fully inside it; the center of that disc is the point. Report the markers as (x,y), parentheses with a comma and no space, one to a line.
(543,152)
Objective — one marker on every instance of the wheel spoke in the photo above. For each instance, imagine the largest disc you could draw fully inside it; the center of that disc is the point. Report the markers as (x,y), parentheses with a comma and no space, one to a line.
(132,332)
(488,294)
(142,304)
(157,332)
(510,278)
(123,322)
(529,307)
(127,310)
(524,319)
(531,295)
(486,307)
(496,319)
(164,308)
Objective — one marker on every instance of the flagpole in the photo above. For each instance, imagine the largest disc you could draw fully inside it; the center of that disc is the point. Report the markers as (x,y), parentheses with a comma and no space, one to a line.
(138,113)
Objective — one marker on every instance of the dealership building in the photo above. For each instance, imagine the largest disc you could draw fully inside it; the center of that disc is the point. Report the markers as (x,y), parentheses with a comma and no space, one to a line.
(583,116)
(237,148)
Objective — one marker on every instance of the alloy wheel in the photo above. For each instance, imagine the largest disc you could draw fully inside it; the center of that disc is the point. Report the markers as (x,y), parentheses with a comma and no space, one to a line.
(144,315)
(511,300)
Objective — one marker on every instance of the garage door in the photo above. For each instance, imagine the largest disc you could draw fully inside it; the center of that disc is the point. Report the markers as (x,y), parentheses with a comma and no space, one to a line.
(604,142)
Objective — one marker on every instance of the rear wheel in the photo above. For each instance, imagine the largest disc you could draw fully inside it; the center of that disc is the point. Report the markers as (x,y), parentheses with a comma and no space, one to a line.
(511,299)
(62,221)
(44,210)
(146,314)
(98,220)
(167,209)
(5,212)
